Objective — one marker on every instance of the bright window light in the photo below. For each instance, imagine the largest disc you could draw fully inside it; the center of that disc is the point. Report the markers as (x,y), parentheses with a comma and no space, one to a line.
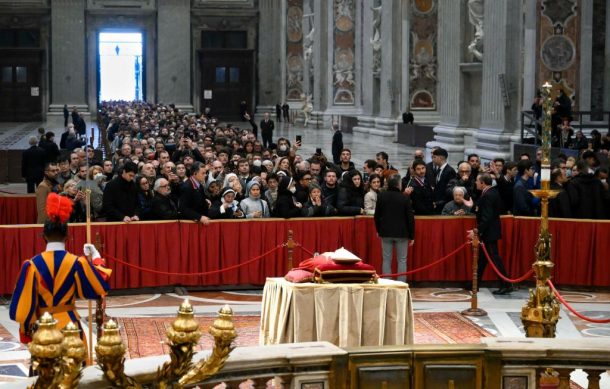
(121,67)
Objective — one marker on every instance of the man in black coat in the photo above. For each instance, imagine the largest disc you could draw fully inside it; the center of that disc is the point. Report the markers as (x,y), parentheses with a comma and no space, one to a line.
(267,126)
(120,201)
(439,177)
(419,190)
(337,144)
(278,112)
(587,196)
(193,203)
(50,147)
(395,225)
(33,161)
(488,211)
(162,206)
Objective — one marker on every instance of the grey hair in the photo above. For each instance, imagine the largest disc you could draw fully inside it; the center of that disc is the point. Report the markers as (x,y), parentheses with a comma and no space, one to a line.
(459,189)
(157,184)
(467,164)
(33,140)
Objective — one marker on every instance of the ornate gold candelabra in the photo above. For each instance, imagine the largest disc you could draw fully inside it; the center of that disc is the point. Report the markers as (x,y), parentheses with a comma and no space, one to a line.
(46,349)
(541,313)
(183,336)
(57,357)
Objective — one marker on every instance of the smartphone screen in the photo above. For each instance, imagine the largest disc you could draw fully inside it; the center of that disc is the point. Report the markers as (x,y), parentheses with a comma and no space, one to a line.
(299,138)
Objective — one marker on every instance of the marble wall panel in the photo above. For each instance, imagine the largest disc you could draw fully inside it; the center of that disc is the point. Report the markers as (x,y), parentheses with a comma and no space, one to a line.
(558,53)
(423,64)
(598,57)
(344,59)
(294,50)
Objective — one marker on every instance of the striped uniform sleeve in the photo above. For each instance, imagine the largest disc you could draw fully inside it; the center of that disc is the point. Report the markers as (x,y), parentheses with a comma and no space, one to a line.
(90,282)
(25,300)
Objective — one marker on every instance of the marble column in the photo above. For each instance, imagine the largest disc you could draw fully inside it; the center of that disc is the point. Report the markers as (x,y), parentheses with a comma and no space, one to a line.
(529,53)
(449,133)
(320,60)
(174,53)
(269,50)
(366,121)
(607,61)
(499,100)
(586,52)
(389,78)
(68,56)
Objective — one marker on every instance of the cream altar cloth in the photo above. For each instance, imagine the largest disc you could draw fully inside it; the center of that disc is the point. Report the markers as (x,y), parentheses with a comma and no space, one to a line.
(346,315)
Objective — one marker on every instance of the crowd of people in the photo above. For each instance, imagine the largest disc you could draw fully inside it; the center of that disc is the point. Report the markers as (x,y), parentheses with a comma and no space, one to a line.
(166,164)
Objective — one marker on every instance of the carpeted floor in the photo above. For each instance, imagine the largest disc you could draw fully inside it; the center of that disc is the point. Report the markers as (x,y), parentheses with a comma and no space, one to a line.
(146,336)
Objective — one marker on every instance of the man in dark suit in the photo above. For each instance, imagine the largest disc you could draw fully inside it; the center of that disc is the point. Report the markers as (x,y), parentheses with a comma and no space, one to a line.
(193,203)
(278,112)
(50,147)
(33,161)
(419,190)
(488,211)
(439,176)
(267,126)
(395,225)
(120,200)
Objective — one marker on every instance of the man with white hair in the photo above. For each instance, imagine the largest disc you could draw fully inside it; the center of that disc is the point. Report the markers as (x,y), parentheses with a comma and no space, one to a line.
(162,207)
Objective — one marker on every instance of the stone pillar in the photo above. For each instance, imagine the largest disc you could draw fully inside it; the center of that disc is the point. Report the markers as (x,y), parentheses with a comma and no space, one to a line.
(529,54)
(586,52)
(269,52)
(449,133)
(174,53)
(607,61)
(499,101)
(68,56)
(366,121)
(320,61)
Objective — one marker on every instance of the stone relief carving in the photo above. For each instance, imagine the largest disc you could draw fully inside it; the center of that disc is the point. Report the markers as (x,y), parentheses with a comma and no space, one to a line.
(294,50)
(376,40)
(343,60)
(476,9)
(557,52)
(559,11)
(423,60)
(307,108)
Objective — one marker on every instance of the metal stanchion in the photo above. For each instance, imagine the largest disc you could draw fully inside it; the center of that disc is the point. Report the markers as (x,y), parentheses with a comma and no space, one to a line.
(474,310)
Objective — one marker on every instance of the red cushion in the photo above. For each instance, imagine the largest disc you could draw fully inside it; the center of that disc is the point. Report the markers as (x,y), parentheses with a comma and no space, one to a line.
(299,276)
(311,263)
(340,266)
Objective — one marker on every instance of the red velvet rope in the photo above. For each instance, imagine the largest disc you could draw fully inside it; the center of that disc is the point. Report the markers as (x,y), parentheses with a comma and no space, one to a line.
(512,281)
(564,302)
(306,250)
(205,273)
(446,257)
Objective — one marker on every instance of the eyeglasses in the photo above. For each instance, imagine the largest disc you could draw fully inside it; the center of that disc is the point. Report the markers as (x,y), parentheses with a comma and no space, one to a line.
(164,186)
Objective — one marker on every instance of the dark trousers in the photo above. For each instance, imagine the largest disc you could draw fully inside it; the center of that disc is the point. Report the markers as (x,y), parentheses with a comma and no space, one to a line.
(267,138)
(278,117)
(492,250)
(31,184)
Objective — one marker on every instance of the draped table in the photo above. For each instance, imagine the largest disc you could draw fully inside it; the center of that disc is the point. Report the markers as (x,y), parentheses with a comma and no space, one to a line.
(346,315)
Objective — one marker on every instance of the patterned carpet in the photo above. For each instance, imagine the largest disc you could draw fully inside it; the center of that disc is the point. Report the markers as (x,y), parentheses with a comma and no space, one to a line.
(146,336)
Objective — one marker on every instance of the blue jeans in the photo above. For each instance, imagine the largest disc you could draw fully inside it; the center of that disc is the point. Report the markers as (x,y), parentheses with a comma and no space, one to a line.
(387,246)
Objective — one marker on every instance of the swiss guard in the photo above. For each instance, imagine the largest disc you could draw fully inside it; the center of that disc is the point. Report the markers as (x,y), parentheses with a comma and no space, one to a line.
(52,280)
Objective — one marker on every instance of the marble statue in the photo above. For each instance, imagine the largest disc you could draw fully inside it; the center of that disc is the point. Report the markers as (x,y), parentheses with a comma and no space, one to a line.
(307,108)
(376,40)
(476,9)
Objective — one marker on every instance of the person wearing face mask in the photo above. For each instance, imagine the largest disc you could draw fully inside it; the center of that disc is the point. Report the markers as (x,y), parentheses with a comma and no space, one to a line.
(254,206)
(94,182)
(286,205)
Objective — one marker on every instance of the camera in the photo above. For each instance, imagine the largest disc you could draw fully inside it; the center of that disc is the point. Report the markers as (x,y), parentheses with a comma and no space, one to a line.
(319,151)
(299,139)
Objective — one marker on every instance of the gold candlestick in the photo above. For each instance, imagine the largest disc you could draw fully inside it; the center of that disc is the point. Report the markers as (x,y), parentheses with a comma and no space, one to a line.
(541,313)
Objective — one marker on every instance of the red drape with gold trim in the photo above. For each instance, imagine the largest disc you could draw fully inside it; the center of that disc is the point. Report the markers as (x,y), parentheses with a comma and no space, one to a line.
(581,249)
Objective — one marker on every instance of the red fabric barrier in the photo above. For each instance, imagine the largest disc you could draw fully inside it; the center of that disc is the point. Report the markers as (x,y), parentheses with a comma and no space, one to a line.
(17,209)
(580,249)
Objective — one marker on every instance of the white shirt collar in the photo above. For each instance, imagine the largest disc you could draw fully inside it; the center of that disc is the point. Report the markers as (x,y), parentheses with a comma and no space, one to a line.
(56,246)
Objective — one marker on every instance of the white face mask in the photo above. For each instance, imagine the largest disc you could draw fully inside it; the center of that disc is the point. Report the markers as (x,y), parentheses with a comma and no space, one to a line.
(292,189)
(283,148)
(603,180)
(257,162)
